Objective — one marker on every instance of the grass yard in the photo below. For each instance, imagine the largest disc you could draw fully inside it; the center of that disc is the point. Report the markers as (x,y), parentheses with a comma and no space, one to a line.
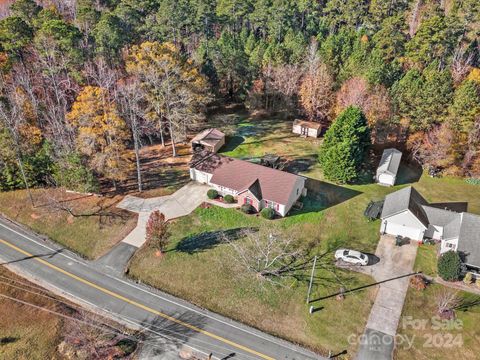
(439,344)
(426,260)
(28,333)
(209,279)
(332,217)
(98,226)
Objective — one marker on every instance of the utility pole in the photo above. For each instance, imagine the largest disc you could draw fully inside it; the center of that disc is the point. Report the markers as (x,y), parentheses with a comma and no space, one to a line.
(311,278)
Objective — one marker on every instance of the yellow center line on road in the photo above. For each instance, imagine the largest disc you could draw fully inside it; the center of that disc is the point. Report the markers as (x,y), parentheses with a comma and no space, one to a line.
(134,303)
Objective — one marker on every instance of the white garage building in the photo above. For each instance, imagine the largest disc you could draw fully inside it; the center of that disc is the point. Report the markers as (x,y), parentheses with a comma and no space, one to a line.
(388,168)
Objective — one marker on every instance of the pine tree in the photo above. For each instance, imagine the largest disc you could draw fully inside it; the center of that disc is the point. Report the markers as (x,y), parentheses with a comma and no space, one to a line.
(344,147)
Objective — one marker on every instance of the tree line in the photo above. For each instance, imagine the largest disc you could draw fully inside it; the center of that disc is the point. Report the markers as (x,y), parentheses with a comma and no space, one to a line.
(85,82)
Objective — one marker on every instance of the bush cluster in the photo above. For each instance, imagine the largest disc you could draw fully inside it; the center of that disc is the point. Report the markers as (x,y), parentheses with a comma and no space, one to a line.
(450,266)
(212,194)
(267,213)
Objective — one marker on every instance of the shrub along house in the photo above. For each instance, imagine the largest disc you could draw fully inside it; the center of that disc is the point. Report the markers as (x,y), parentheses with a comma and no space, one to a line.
(250,183)
(406,213)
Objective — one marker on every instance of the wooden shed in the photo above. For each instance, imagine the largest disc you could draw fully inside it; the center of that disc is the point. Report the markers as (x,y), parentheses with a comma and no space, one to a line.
(210,140)
(307,128)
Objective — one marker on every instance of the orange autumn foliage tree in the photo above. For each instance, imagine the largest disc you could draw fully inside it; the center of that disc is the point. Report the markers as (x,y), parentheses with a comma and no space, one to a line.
(101,133)
(316,92)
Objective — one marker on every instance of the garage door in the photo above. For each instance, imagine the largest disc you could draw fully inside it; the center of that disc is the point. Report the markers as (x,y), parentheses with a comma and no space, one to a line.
(386,179)
(200,176)
(405,231)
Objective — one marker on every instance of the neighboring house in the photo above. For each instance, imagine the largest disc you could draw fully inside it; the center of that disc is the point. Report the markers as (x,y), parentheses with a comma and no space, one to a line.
(407,213)
(250,183)
(210,140)
(388,168)
(307,128)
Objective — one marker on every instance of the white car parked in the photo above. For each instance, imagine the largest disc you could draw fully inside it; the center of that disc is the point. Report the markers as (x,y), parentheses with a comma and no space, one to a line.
(351,256)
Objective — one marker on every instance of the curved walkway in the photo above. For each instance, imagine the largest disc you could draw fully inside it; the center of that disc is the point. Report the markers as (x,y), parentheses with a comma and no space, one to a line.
(178,204)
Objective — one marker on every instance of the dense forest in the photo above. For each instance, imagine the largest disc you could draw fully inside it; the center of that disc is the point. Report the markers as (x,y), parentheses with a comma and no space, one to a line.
(85,83)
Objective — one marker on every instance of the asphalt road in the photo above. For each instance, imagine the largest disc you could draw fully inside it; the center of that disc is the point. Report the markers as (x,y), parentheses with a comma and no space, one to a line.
(164,315)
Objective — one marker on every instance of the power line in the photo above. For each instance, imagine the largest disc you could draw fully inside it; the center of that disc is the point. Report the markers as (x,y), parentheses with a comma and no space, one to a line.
(129,320)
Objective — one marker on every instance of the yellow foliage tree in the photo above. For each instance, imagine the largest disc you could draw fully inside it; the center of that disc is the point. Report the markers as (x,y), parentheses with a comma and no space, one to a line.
(474,75)
(176,91)
(101,133)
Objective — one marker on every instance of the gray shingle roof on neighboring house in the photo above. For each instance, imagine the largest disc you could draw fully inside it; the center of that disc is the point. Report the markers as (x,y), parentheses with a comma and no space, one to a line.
(469,239)
(440,217)
(462,225)
(405,199)
(452,229)
(390,162)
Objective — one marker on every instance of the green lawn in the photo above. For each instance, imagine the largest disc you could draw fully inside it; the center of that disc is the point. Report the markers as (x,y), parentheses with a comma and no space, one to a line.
(426,260)
(91,235)
(332,217)
(432,343)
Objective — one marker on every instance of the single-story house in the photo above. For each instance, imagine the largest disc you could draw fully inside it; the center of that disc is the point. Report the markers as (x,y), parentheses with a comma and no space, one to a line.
(307,128)
(388,168)
(210,140)
(406,213)
(249,183)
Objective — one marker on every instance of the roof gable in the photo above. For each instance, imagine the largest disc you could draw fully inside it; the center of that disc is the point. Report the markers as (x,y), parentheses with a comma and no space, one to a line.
(268,183)
(405,199)
(390,161)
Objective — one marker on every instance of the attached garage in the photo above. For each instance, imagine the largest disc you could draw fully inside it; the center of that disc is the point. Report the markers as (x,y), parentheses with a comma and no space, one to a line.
(200,176)
(403,230)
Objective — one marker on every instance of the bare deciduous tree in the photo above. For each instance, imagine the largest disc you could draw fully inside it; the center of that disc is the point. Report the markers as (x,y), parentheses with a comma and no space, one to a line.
(447,300)
(268,256)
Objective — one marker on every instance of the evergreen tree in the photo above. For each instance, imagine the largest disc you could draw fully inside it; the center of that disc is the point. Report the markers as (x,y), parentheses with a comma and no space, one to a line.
(345,145)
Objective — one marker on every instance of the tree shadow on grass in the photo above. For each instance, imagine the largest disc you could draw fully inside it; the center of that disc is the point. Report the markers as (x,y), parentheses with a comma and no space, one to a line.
(8,340)
(322,195)
(232,142)
(210,239)
(408,173)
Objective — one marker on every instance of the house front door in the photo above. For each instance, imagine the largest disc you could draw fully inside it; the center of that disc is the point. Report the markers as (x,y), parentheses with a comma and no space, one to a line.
(304,131)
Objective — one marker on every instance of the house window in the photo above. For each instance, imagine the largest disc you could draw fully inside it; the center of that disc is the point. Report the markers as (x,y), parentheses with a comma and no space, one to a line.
(298,191)
(450,246)
(248,200)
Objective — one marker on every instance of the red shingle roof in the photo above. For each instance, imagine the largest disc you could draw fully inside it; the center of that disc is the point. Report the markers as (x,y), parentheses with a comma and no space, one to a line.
(239,175)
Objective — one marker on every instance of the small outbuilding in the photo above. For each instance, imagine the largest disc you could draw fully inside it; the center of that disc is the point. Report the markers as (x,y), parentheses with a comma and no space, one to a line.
(210,140)
(307,128)
(388,168)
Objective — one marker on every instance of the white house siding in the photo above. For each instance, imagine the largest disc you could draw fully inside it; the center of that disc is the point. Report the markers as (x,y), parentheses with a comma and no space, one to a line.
(297,129)
(200,176)
(313,133)
(294,196)
(404,224)
(224,191)
(386,179)
(448,245)
(434,232)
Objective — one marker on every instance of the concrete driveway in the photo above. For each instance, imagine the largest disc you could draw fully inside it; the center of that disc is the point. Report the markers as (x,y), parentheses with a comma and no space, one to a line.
(393,273)
(180,203)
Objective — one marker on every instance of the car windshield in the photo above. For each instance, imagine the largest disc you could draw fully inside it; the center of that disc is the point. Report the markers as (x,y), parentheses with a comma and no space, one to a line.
(345,252)
(362,256)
